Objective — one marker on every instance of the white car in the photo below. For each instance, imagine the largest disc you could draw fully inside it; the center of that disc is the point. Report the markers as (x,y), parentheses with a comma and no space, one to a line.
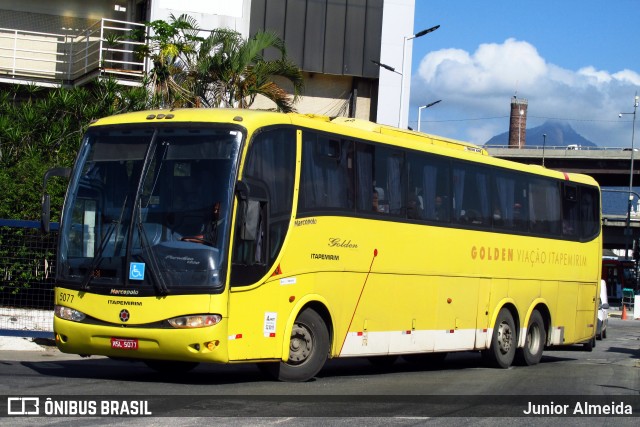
(603,312)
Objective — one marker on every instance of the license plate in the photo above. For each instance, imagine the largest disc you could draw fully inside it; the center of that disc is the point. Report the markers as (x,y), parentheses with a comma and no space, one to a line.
(124,343)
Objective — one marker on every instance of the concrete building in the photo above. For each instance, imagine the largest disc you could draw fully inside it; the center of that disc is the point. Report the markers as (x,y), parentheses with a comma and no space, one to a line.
(70,42)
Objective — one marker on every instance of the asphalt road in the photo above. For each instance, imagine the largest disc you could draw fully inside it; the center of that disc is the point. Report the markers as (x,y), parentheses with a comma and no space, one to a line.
(461,391)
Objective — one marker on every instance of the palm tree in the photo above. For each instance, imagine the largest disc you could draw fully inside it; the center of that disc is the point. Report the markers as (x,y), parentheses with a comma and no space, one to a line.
(168,47)
(230,71)
(221,70)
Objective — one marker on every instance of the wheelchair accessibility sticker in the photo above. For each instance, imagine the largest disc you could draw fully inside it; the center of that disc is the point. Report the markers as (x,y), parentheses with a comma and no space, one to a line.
(136,271)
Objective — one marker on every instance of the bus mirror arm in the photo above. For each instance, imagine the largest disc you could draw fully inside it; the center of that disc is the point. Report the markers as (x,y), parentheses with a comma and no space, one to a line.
(242,190)
(45,213)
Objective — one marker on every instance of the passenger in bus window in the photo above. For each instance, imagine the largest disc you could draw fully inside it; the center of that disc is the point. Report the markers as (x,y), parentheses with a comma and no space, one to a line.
(413,208)
(380,204)
(497,217)
(375,201)
(440,209)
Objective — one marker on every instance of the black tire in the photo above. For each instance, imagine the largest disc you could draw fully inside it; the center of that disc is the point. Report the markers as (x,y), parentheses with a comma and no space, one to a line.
(503,342)
(426,360)
(534,343)
(308,350)
(383,362)
(590,345)
(170,366)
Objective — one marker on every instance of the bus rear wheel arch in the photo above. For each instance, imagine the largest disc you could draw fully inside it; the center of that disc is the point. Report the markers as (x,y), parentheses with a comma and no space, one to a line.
(309,347)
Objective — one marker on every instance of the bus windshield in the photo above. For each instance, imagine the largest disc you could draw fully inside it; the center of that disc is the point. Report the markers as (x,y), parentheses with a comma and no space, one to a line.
(147,211)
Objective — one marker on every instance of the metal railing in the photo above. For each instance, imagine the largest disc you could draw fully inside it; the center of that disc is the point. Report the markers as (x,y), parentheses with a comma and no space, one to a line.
(557,147)
(27,270)
(106,47)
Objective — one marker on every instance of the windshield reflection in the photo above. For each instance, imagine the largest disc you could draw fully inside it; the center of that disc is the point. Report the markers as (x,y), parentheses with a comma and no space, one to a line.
(149,208)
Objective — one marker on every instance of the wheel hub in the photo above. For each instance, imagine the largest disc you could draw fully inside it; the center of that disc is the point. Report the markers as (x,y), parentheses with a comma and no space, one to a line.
(301,344)
(505,338)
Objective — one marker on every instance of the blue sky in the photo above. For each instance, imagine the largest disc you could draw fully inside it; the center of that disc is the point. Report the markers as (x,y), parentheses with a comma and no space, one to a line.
(573,60)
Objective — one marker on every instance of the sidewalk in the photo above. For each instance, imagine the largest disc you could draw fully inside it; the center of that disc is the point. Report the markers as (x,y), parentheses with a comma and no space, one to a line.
(19,344)
(617,312)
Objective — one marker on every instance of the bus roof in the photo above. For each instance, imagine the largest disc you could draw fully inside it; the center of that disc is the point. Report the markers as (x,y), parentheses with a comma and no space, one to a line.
(357,128)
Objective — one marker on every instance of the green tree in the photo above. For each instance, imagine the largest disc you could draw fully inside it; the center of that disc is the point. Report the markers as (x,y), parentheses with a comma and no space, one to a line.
(230,71)
(168,46)
(221,70)
(42,128)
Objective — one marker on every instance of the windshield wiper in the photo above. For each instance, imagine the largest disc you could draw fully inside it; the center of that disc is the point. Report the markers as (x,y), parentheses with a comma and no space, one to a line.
(157,279)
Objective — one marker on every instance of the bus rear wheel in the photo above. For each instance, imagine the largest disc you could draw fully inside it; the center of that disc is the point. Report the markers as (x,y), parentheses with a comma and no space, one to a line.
(502,350)
(534,342)
(308,350)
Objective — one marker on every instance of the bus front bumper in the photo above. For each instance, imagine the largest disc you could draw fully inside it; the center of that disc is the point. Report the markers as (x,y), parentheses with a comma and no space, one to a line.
(207,344)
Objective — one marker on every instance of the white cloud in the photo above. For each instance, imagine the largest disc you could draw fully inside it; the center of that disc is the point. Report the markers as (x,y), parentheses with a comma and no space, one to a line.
(479,85)
(628,76)
(491,68)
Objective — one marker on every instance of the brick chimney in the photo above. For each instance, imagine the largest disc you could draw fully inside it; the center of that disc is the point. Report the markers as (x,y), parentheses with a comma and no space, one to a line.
(518,123)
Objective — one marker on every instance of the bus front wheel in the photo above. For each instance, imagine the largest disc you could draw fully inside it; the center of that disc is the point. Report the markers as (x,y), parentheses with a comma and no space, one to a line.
(534,343)
(308,350)
(503,341)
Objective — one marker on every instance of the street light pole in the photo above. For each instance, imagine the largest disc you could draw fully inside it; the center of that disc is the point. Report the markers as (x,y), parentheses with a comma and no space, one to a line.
(544,142)
(422,108)
(404,48)
(633,133)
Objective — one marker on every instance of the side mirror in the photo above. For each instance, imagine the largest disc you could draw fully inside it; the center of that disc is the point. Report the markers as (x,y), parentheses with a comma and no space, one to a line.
(45,212)
(242,190)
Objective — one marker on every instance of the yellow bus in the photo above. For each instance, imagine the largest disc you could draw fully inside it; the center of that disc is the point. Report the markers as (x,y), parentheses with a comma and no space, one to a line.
(228,236)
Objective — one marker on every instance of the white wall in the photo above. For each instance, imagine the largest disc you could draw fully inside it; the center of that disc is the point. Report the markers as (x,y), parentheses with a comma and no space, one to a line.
(324,94)
(94,9)
(397,23)
(233,14)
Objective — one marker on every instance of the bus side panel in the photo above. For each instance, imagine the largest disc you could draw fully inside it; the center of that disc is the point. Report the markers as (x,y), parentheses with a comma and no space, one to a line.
(482,323)
(565,317)
(456,312)
(586,311)
(256,322)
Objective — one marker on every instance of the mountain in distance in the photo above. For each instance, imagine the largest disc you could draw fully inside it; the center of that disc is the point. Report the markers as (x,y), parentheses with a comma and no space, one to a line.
(559,134)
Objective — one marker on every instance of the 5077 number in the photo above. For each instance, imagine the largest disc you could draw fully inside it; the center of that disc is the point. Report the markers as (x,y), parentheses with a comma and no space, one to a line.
(66,297)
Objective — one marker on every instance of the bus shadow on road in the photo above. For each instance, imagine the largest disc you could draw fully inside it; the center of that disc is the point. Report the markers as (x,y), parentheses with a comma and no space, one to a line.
(101,368)
(135,371)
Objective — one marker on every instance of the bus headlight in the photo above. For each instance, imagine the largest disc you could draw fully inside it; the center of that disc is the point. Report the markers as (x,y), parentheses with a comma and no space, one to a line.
(195,321)
(67,313)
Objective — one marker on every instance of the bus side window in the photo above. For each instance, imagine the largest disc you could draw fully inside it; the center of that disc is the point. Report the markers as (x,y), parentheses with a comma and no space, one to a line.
(589,212)
(429,187)
(570,210)
(471,195)
(326,180)
(544,207)
(380,173)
